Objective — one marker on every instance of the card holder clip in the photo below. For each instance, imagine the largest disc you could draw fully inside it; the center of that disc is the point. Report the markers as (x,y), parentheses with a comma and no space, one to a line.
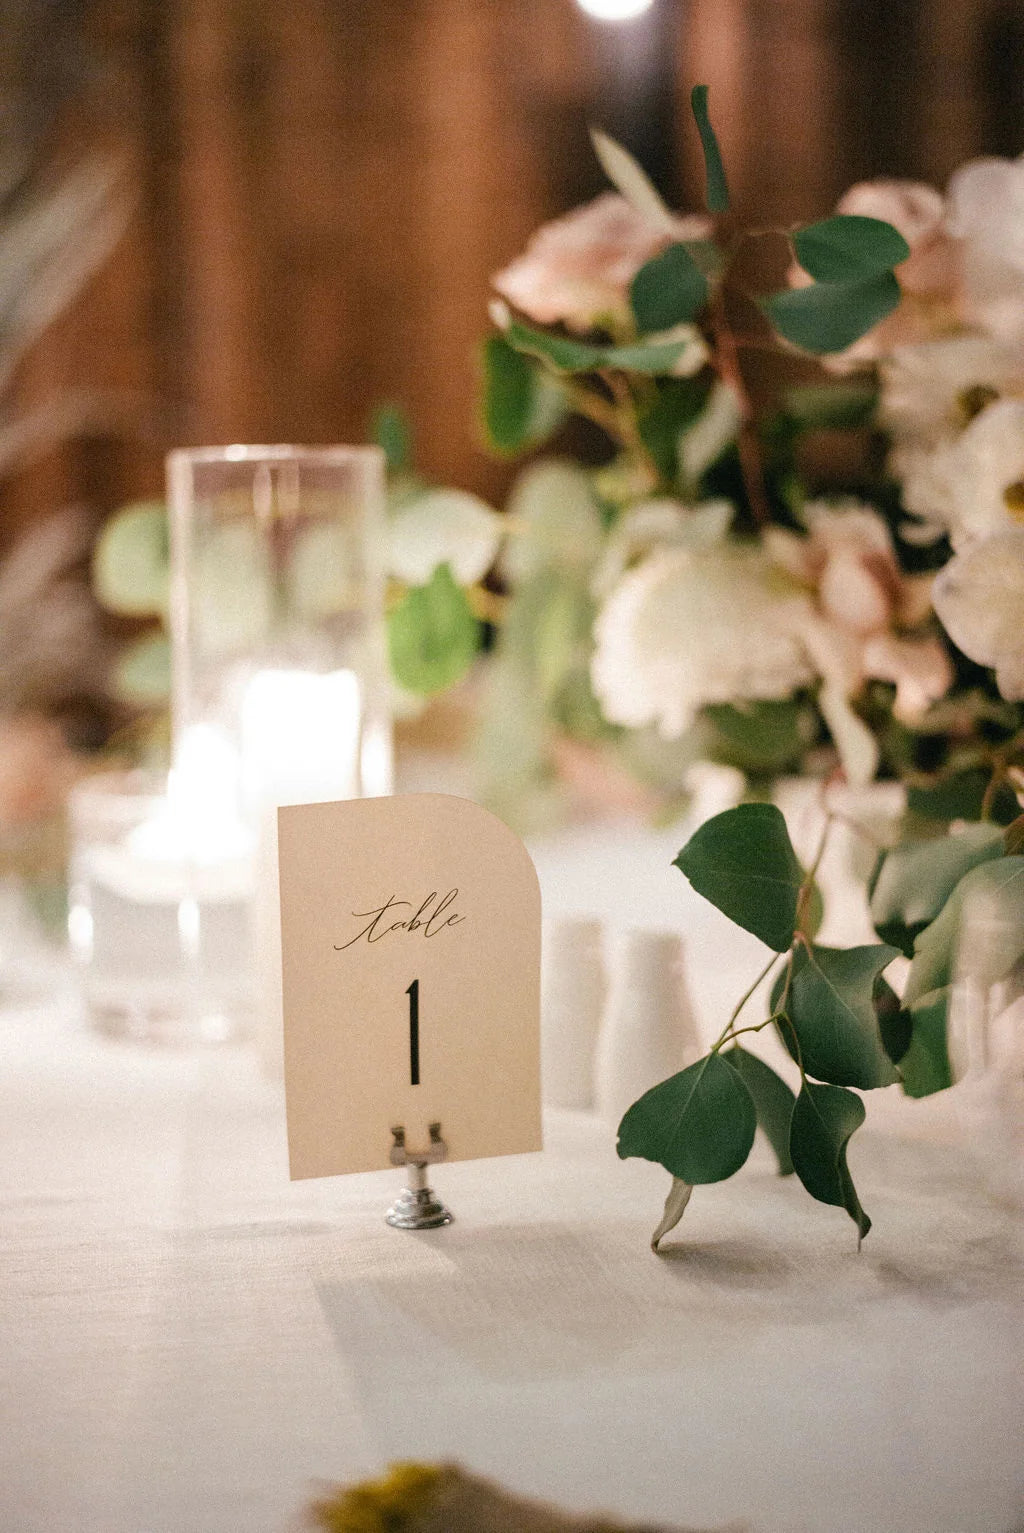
(416,1207)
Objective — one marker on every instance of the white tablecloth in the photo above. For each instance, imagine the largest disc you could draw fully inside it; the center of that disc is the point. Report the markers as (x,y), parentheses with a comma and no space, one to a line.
(189,1343)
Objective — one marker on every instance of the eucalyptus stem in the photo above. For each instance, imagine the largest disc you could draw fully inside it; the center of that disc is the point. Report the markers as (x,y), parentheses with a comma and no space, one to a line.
(743,1001)
(747,444)
(730,1031)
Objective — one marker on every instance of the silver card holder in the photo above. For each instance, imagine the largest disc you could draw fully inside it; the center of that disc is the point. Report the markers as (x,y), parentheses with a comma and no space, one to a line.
(417,1208)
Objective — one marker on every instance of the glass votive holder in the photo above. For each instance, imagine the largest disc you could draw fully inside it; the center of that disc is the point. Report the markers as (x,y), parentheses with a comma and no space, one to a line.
(158,911)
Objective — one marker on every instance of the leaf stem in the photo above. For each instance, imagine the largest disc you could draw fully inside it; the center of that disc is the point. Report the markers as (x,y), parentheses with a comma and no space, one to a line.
(773,960)
(755,1027)
(747,444)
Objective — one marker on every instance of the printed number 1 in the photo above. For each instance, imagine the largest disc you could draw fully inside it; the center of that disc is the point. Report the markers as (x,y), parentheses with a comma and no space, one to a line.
(413,993)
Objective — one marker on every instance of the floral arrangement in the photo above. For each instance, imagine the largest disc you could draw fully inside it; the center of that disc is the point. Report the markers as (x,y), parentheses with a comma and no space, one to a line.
(831,573)
(698,595)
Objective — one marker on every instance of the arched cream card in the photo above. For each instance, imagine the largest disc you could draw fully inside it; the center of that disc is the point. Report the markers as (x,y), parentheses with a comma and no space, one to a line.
(410,934)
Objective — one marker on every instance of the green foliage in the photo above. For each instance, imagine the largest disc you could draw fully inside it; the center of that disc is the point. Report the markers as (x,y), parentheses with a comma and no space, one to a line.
(651,357)
(987,909)
(717,194)
(762,739)
(744,863)
(391,430)
(831,1020)
(925,1066)
(522,405)
(849,247)
(831,407)
(555,520)
(668,290)
(699,1124)
(960,796)
(131,561)
(913,882)
(142,674)
(676,405)
(824,1118)
(433,636)
(829,316)
(773,1102)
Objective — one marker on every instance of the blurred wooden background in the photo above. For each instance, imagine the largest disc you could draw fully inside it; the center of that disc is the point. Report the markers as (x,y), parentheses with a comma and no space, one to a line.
(323,187)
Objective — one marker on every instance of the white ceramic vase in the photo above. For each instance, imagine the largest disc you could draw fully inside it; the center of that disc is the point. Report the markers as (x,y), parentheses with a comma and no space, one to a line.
(573,990)
(648,1031)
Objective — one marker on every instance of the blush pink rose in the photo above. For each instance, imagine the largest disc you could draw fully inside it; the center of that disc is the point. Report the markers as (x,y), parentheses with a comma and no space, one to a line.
(865,604)
(577,269)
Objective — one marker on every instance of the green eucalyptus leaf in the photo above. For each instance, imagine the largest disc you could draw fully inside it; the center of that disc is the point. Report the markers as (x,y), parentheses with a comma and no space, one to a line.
(683,354)
(675,1208)
(914,881)
(762,738)
(925,1066)
(895,1027)
(773,1102)
(832,1010)
(824,1118)
(131,561)
(986,910)
(567,355)
(391,431)
(433,636)
(744,863)
(522,405)
(142,675)
(698,1124)
(676,406)
(829,316)
(678,352)
(668,290)
(961,797)
(848,247)
(717,195)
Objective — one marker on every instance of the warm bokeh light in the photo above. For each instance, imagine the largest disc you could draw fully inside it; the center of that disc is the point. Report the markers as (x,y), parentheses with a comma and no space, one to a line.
(615,10)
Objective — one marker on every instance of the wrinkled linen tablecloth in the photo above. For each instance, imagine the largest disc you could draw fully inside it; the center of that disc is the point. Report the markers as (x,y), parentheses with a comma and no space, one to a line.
(191,1344)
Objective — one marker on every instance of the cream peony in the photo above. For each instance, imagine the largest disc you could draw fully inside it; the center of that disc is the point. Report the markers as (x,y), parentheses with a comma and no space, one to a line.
(687,627)
(973,486)
(577,269)
(979,596)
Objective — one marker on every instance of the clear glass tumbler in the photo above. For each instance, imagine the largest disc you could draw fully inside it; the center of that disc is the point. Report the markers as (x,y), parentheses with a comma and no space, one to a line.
(158,913)
(280,689)
(280,683)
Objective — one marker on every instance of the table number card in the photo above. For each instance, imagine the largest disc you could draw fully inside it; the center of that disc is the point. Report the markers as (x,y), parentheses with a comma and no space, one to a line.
(411,962)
